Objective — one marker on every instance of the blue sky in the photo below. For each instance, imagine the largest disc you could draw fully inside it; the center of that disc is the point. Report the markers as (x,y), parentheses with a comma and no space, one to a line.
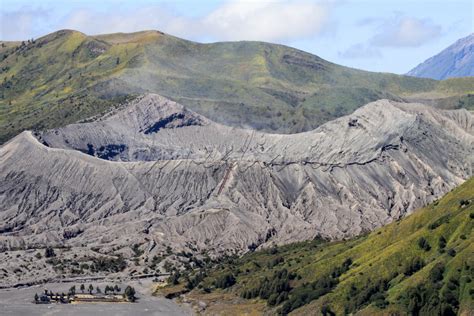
(383,35)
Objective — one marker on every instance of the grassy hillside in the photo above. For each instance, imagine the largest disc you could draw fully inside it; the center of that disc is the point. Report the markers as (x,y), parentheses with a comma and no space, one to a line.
(67,76)
(420,265)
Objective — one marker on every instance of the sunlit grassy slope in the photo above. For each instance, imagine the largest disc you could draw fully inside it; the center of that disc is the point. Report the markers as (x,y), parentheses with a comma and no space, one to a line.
(420,265)
(66,76)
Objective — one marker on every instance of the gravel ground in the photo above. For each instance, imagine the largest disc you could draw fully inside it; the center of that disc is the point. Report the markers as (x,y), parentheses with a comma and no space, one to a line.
(19,302)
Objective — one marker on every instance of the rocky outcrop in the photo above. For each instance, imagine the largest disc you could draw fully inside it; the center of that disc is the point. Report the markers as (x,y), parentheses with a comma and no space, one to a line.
(155,173)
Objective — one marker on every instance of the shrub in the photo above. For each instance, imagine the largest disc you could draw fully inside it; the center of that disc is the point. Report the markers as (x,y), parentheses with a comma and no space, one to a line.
(225,281)
(432,298)
(274,289)
(108,264)
(436,273)
(413,266)
(136,250)
(338,271)
(273,250)
(277,298)
(441,242)
(174,278)
(372,292)
(326,311)
(195,281)
(49,252)
(423,244)
(452,252)
(307,293)
(440,221)
(275,261)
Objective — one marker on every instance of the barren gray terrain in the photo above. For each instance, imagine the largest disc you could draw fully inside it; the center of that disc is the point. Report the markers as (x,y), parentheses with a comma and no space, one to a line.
(156,175)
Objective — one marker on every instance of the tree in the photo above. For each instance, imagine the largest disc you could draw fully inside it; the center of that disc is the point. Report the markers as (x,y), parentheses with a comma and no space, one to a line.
(174,278)
(72,290)
(83,288)
(117,61)
(116,288)
(107,289)
(91,288)
(97,289)
(129,293)
(36,297)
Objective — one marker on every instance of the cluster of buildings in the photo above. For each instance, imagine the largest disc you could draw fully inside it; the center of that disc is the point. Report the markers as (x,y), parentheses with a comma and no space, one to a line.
(71,298)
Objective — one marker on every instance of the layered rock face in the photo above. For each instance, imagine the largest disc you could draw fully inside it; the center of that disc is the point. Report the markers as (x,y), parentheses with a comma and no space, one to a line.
(157,174)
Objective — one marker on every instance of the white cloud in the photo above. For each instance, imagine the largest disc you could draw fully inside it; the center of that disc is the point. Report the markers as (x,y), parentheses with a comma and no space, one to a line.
(274,21)
(233,20)
(269,21)
(406,32)
(359,51)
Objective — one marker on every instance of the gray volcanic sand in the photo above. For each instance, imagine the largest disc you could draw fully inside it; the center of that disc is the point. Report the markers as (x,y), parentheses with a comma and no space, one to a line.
(19,302)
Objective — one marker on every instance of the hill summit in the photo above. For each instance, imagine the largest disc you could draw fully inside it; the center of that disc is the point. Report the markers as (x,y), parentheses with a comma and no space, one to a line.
(68,76)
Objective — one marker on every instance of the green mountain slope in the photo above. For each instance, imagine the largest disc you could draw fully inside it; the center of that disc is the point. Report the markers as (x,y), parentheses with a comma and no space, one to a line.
(67,76)
(420,265)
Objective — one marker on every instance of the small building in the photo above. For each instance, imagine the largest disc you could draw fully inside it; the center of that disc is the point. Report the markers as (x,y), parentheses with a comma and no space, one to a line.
(78,298)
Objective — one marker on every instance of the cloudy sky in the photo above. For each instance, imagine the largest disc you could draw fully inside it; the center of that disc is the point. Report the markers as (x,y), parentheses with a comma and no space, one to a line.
(389,35)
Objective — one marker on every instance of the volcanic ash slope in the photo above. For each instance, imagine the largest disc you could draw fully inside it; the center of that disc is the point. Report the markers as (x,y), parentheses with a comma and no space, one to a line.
(157,174)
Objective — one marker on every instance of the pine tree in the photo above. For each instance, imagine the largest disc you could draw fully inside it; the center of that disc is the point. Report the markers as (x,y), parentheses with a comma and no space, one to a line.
(130,293)
(72,290)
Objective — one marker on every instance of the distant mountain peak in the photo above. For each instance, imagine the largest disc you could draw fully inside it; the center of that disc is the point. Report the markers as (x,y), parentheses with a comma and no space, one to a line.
(455,61)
